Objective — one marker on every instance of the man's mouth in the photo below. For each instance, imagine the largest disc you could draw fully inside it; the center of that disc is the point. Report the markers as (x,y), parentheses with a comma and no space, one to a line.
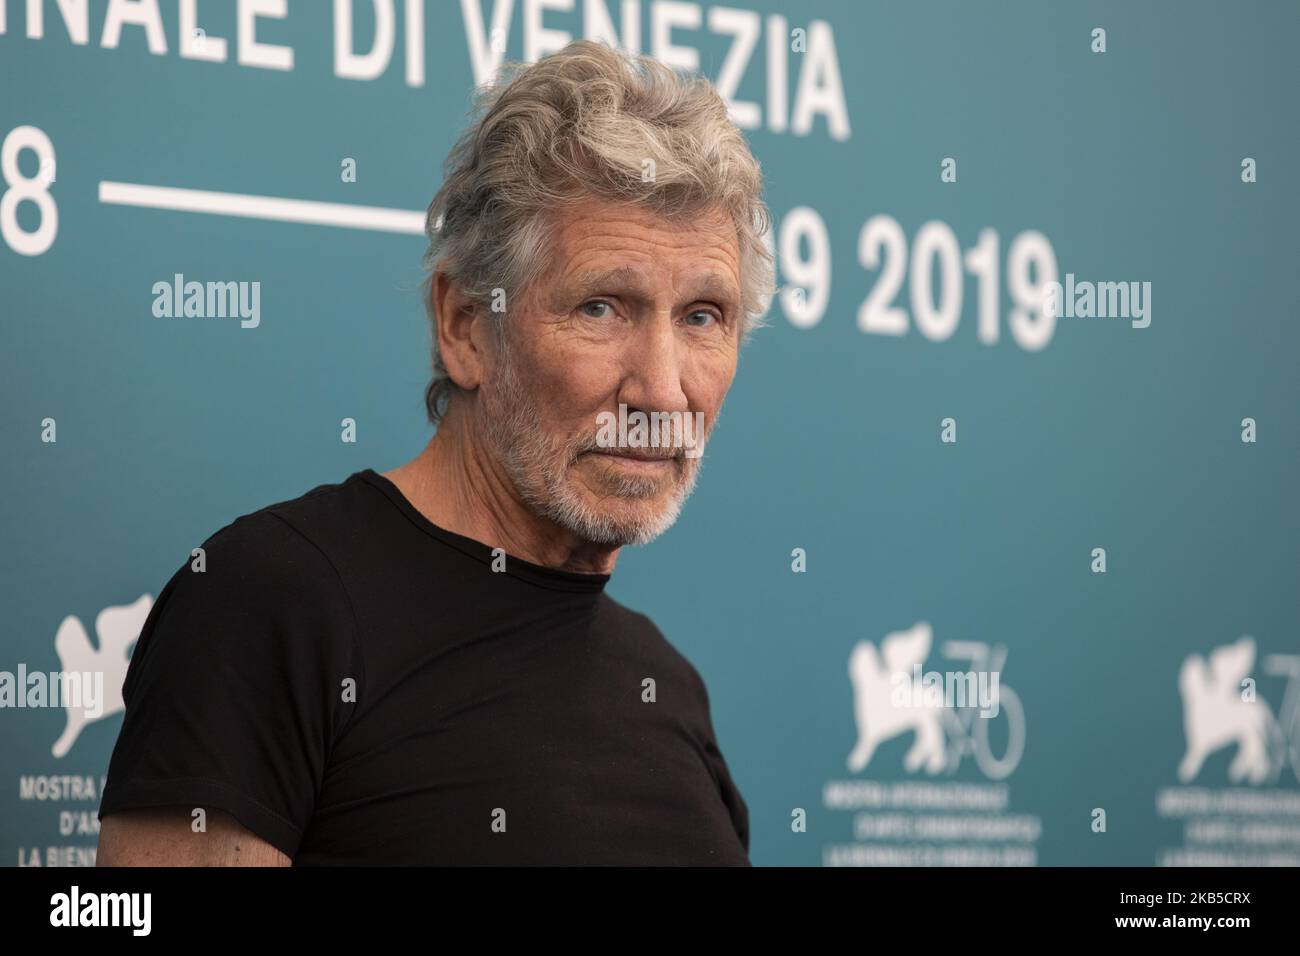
(640,458)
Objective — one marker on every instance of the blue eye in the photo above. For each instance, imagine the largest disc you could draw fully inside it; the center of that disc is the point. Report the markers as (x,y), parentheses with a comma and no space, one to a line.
(703,312)
(597,302)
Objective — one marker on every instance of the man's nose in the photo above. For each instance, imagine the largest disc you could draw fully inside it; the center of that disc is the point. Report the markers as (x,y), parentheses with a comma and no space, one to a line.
(654,368)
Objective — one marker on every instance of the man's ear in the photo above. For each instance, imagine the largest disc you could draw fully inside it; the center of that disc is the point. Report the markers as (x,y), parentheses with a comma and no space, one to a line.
(458,339)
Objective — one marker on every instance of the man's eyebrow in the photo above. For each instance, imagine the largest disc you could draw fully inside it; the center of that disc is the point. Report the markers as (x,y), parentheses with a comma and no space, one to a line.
(621,277)
(718,287)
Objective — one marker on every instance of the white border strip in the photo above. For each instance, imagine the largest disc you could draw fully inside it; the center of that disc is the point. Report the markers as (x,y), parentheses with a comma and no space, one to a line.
(263,207)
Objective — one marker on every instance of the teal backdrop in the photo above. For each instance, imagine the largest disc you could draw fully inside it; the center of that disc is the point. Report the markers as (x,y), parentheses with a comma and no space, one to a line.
(901,454)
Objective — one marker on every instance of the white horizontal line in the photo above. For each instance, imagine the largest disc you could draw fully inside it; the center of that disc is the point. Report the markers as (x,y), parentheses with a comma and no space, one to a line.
(263,207)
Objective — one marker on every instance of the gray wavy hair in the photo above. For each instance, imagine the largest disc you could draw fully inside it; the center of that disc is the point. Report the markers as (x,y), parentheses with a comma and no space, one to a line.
(581,124)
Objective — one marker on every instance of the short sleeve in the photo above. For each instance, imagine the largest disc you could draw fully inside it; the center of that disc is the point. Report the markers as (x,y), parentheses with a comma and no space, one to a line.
(737,809)
(731,795)
(235,691)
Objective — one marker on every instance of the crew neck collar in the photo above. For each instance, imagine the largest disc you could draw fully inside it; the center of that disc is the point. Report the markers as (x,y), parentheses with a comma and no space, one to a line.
(537,574)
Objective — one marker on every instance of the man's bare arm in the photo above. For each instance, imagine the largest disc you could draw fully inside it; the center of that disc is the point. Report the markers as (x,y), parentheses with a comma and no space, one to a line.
(163,836)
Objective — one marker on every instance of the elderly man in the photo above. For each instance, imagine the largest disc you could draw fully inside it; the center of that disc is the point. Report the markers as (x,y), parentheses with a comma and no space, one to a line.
(422,666)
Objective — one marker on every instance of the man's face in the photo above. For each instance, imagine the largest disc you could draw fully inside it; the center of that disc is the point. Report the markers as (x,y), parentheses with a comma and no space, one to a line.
(637,311)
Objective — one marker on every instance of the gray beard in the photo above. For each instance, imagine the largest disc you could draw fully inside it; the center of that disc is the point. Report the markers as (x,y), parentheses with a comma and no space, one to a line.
(538,467)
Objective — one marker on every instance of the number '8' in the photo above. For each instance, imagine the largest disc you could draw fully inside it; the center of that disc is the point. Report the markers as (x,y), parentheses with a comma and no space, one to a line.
(34,189)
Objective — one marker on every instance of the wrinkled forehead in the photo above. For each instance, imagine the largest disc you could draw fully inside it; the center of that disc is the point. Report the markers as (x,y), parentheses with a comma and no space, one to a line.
(600,245)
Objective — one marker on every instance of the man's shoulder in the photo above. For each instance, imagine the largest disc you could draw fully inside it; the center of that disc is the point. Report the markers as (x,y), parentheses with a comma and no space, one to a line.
(649,637)
(288,551)
(313,519)
(256,592)
(327,509)
(620,615)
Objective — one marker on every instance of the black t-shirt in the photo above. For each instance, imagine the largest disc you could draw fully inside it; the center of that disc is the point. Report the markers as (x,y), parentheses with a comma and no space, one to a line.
(356,685)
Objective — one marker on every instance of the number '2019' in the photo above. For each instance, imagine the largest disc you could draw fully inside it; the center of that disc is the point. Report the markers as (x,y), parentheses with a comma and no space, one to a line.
(882,246)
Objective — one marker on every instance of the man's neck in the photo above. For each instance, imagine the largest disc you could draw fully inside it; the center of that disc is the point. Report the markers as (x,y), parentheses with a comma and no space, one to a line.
(459,489)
